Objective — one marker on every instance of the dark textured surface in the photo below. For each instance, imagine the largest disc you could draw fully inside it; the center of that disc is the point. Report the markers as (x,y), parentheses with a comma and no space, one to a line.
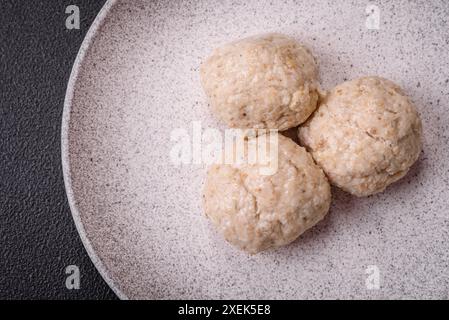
(37,233)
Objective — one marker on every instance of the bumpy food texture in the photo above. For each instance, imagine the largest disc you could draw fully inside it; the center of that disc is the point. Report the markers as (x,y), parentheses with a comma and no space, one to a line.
(267,81)
(255,212)
(365,135)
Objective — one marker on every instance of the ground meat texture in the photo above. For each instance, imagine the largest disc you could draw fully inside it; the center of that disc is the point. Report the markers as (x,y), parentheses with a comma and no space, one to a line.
(268,81)
(255,212)
(365,135)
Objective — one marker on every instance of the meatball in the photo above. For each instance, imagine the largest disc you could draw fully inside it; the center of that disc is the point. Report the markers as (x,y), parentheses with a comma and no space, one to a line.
(256,211)
(365,135)
(267,82)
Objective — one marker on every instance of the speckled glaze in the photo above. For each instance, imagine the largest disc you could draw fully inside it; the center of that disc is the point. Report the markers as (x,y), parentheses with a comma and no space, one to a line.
(140,217)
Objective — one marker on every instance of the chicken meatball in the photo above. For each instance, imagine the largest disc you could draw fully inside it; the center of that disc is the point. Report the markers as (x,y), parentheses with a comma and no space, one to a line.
(268,81)
(256,210)
(365,135)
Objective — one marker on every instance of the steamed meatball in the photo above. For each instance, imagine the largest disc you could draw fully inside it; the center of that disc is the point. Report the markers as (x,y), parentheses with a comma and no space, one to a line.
(365,135)
(267,81)
(256,210)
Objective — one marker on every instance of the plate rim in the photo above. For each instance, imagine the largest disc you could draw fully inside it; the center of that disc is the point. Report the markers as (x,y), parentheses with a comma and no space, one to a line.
(65,157)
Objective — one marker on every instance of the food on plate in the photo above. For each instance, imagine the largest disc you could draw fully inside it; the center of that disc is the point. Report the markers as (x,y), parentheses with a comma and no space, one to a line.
(365,135)
(255,210)
(267,81)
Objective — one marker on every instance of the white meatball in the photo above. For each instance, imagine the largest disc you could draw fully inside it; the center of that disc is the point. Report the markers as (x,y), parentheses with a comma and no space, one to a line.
(267,81)
(365,135)
(255,211)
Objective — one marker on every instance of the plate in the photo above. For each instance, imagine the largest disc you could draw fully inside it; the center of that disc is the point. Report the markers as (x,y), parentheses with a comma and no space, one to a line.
(134,97)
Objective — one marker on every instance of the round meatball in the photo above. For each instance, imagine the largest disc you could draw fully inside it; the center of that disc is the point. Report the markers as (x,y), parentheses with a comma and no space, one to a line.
(267,81)
(256,210)
(365,135)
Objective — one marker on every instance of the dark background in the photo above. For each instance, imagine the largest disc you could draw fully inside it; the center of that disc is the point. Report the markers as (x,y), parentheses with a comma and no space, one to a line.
(38,239)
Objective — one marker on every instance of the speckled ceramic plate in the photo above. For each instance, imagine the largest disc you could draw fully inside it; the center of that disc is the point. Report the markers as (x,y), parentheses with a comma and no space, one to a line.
(136,80)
